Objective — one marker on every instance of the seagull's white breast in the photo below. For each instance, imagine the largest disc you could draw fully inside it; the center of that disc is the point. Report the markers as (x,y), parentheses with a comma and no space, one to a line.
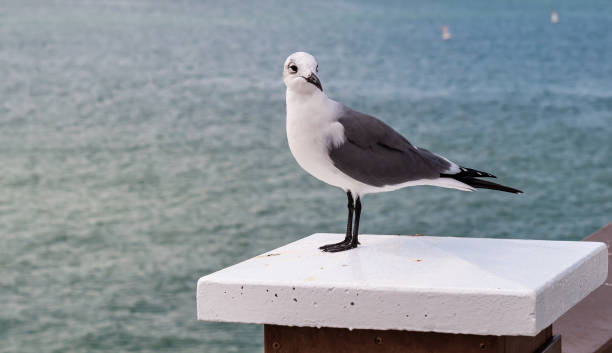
(312,128)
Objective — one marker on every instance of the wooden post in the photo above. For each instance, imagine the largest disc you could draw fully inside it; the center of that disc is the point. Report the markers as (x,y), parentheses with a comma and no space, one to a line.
(287,339)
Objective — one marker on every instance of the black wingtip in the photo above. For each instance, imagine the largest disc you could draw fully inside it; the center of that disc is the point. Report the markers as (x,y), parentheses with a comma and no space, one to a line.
(483,184)
(465,172)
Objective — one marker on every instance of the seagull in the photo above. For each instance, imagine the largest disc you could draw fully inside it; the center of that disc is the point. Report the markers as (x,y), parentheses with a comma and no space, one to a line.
(357,152)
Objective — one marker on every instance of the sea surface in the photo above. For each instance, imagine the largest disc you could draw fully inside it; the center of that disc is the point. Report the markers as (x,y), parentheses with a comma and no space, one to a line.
(142,145)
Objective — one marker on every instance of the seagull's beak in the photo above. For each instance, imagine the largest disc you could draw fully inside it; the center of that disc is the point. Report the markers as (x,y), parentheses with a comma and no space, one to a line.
(314,80)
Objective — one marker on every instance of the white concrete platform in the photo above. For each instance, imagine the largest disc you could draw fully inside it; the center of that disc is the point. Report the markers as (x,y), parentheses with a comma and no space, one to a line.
(416,283)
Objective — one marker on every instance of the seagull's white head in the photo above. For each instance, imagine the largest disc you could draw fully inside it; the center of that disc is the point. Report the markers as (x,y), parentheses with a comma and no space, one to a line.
(300,73)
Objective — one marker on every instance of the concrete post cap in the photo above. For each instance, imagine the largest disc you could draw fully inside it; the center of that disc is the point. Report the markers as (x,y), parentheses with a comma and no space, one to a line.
(419,283)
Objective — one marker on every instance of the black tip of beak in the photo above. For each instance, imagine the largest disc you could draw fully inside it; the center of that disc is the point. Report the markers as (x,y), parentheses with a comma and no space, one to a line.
(314,80)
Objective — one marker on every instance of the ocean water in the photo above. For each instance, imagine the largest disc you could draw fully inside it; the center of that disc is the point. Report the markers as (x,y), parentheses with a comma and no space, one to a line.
(142,145)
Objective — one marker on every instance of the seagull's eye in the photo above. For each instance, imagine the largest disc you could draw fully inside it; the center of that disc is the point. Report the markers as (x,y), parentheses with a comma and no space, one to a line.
(317,69)
(293,68)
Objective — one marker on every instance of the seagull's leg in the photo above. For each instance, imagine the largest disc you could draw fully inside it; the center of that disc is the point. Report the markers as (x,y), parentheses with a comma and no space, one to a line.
(354,240)
(349,224)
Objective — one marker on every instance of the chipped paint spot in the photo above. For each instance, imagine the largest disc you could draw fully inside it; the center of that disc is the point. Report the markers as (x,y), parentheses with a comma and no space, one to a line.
(268,255)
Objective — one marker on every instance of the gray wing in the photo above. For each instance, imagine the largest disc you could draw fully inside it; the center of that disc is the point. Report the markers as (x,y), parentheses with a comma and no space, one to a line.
(375,154)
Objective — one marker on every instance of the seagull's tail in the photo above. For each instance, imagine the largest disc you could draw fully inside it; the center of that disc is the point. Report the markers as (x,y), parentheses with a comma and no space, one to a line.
(483,184)
(470,177)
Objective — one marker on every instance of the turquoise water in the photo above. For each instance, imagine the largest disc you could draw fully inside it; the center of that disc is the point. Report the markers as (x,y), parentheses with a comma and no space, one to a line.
(142,145)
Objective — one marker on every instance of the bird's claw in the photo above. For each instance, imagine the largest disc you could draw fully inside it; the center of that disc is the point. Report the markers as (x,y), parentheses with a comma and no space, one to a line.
(328,246)
(342,246)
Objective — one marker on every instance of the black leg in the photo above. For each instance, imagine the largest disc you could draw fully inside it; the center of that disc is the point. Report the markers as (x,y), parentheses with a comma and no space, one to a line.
(354,240)
(349,224)
(349,242)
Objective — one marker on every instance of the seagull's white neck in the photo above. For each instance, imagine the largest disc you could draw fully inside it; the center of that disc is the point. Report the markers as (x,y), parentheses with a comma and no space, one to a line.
(313,98)
(311,106)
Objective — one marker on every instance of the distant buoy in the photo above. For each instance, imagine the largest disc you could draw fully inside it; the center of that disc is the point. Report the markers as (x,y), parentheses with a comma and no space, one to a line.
(445,33)
(554,17)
